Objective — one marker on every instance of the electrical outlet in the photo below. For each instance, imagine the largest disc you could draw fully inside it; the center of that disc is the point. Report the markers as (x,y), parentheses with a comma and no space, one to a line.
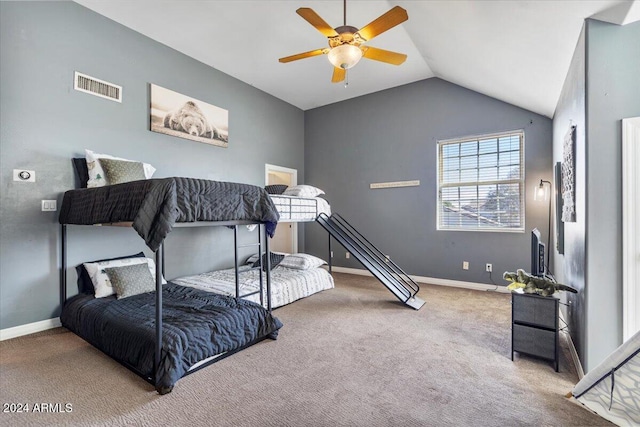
(49,205)
(488,268)
(465,265)
(347,255)
(331,254)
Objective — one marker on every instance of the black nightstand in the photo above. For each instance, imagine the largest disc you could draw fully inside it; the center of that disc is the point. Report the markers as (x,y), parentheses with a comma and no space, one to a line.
(534,327)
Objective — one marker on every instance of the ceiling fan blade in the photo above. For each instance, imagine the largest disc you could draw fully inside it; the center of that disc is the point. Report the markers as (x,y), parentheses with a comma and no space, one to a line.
(393,17)
(304,55)
(314,19)
(382,55)
(338,75)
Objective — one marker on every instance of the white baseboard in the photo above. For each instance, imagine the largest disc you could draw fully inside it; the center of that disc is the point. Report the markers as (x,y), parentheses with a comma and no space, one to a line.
(30,328)
(572,350)
(433,281)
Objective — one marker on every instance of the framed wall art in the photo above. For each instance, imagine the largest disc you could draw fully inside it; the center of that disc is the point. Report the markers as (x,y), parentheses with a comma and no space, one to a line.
(185,117)
(568,176)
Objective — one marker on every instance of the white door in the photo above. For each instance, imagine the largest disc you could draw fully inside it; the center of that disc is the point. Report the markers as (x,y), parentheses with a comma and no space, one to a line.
(630,226)
(286,237)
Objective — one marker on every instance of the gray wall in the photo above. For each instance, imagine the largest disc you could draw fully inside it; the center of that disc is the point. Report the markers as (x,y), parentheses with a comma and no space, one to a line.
(44,123)
(613,93)
(602,88)
(571,266)
(391,136)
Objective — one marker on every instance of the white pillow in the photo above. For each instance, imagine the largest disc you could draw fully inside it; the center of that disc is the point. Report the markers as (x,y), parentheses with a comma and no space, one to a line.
(100,279)
(303,191)
(301,261)
(97,176)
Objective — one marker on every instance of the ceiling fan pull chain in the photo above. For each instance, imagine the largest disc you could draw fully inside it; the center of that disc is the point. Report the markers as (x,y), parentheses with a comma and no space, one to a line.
(346,78)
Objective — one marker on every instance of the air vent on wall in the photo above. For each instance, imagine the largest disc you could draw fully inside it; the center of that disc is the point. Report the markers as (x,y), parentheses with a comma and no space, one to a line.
(97,87)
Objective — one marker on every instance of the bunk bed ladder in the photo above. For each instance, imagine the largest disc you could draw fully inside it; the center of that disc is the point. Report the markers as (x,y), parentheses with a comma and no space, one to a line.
(263,279)
(379,264)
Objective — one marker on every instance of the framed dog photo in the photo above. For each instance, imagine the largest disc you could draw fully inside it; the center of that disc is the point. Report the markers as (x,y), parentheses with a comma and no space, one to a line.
(179,115)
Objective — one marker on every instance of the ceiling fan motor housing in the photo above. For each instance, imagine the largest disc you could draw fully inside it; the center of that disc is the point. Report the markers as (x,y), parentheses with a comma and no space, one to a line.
(346,35)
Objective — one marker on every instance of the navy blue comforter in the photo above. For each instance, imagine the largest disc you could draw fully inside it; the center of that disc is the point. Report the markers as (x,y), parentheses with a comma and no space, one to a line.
(155,205)
(197,325)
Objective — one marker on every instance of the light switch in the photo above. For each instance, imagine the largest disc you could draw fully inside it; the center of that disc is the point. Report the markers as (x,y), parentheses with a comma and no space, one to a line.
(49,205)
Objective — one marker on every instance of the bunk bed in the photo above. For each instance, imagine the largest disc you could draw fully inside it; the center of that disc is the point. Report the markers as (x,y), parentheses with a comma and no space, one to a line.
(174,331)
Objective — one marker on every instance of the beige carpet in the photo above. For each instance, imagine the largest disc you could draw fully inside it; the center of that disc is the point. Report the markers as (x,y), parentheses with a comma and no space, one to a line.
(351,356)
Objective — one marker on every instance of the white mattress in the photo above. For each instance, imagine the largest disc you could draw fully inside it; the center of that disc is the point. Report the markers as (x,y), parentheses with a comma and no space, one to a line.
(299,209)
(287,285)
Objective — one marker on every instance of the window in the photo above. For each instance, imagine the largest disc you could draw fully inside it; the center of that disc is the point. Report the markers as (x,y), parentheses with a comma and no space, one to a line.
(481,183)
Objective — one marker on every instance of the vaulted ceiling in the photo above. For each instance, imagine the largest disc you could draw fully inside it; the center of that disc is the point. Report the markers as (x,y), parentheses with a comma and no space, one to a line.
(515,51)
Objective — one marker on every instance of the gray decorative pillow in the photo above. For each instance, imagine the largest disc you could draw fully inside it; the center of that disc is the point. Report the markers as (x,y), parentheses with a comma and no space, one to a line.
(276,188)
(119,171)
(275,260)
(131,280)
(253,258)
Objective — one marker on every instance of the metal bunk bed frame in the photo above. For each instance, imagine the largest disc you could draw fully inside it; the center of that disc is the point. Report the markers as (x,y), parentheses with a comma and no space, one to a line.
(286,206)
(159,260)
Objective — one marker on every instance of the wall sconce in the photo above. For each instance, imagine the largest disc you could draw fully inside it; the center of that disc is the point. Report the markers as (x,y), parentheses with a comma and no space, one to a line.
(542,193)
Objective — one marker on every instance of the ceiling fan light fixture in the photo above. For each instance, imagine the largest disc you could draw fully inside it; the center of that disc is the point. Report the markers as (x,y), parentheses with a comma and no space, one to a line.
(345,56)
(346,42)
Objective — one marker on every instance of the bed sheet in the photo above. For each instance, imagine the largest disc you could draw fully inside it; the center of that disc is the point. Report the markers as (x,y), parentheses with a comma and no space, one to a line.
(287,284)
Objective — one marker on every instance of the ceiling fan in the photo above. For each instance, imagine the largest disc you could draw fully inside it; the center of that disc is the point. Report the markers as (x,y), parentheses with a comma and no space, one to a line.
(346,42)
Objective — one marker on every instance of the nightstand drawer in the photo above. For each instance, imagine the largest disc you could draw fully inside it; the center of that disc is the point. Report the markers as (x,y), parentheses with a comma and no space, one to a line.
(534,341)
(535,310)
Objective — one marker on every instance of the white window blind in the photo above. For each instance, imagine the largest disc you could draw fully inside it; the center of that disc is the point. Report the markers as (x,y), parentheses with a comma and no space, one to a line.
(481,183)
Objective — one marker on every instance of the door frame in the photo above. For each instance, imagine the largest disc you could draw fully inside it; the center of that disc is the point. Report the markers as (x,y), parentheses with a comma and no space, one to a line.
(630,227)
(294,181)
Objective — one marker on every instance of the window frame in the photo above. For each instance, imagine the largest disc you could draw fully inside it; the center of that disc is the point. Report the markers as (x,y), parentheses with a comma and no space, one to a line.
(520,181)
